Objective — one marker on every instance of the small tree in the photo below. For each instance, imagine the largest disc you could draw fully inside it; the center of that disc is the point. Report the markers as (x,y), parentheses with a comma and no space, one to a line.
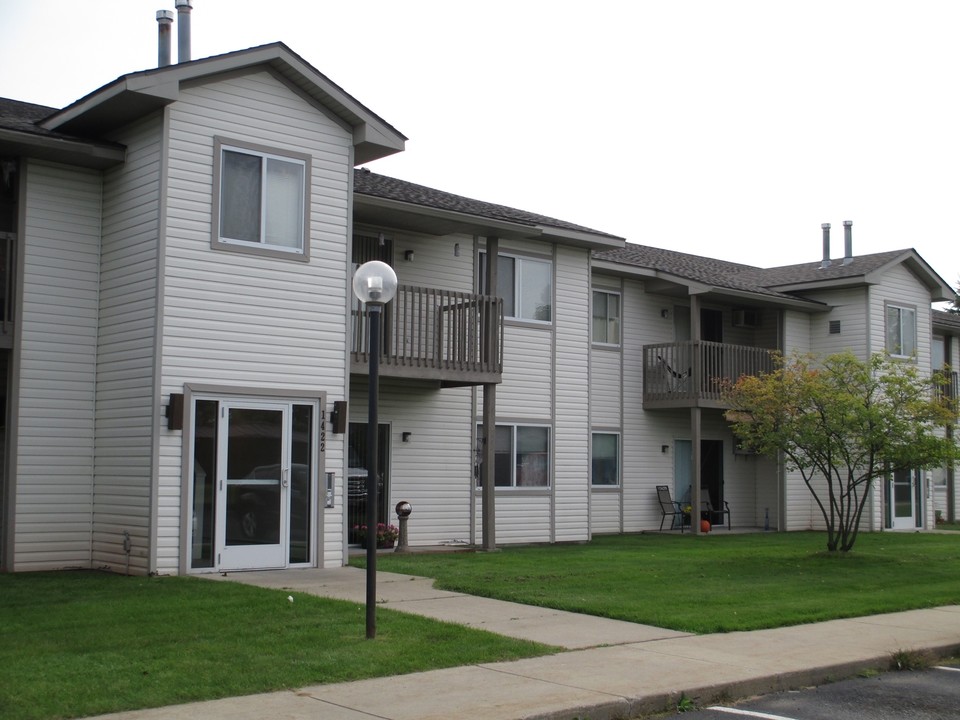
(842,422)
(955,307)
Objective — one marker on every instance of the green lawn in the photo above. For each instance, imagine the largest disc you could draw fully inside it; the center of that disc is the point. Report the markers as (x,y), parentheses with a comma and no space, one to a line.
(716,583)
(83,643)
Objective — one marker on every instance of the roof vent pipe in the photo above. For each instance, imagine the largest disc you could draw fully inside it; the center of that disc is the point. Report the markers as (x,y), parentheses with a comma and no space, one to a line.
(164,28)
(847,242)
(826,245)
(183,30)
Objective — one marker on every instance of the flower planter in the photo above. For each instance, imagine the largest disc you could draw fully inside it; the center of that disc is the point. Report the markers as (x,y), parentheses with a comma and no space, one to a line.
(386,535)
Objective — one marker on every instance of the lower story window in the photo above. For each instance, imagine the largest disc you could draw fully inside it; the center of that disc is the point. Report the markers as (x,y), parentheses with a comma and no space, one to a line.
(521,456)
(605,461)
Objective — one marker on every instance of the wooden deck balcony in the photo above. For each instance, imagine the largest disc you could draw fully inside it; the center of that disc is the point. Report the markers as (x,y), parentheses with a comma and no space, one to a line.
(950,390)
(452,337)
(693,373)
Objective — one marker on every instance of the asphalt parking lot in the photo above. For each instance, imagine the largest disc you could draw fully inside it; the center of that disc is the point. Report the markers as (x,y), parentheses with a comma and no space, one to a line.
(932,694)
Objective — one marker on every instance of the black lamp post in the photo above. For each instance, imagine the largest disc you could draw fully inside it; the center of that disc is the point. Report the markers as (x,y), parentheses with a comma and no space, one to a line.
(374,284)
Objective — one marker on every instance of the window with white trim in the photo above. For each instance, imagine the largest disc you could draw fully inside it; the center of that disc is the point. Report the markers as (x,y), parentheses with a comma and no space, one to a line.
(605,460)
(261,199)
(521,456)
(606,317)
(525,284)
(901,331)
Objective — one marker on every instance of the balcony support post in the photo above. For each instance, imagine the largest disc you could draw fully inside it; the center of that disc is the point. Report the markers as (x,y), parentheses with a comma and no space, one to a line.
(951,484)
(695,459)
(695,414)
(488,488)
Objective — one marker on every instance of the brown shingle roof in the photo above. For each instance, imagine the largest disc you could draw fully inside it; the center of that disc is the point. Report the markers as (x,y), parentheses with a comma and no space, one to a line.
(947,321)
(709,271)
(812,272)
(375,185)
(24,116)
(737,276)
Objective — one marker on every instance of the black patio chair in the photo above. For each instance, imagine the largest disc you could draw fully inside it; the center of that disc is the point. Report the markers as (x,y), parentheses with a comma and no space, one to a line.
(707,509)
(670,508)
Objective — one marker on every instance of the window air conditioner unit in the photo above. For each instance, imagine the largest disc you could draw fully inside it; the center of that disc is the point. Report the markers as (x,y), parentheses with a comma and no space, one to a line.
(746,318)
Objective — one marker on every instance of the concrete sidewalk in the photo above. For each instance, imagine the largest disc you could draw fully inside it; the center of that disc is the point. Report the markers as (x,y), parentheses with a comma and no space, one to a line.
(611,669)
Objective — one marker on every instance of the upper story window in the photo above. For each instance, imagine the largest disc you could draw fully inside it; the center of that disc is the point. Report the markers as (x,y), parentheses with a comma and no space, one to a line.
(901,331)
(606,317)
(262,200)
(525,284)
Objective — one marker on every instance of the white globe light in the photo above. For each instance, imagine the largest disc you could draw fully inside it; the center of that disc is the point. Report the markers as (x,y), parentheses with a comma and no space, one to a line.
(375,282)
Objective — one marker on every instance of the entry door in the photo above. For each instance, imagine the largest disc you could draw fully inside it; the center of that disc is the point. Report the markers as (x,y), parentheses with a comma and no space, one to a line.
(711,473)
(253,464)
(903,500)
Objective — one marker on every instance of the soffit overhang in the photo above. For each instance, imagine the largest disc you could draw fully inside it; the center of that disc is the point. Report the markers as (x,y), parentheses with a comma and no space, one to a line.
(412,217)
(73,151)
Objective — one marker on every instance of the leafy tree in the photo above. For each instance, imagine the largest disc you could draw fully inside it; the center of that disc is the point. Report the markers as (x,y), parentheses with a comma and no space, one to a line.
(955,307)
(842,423)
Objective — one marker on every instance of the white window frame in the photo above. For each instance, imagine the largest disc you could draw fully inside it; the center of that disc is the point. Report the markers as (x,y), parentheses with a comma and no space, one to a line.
(515,464)
(606,319)
(896,349)
(261,246)
(517,312)
(593,458)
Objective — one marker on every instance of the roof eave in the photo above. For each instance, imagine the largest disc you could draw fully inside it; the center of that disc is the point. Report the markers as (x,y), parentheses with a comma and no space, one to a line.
(623,270)
(373,209)
(580,238)
(832,284)
(95,155)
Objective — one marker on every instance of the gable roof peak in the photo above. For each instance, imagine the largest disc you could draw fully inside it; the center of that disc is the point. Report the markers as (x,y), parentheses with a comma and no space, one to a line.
(136,94)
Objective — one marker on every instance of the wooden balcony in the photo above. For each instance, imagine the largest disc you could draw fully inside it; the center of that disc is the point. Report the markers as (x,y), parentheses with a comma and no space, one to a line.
(693,373)
(950,390)
(452,337)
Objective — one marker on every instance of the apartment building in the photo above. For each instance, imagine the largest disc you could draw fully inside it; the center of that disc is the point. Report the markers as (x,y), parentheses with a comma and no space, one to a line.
(186,365)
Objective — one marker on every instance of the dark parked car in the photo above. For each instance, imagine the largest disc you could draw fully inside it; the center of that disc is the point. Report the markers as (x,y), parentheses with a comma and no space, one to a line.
(253,505)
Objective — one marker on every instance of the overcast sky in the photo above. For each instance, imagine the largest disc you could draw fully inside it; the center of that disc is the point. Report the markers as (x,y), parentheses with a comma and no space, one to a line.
(727,129)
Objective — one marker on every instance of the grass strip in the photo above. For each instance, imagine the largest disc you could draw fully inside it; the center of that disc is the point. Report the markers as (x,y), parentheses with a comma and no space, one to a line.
(83,643)
(714,583)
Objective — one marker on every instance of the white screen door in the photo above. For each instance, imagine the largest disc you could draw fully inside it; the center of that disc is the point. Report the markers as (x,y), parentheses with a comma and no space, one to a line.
(902,495)
(253,469)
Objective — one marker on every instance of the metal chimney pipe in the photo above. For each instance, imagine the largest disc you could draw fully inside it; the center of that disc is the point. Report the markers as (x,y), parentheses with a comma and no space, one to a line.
(826,245)
(164,28)
(183,30)
(847,242)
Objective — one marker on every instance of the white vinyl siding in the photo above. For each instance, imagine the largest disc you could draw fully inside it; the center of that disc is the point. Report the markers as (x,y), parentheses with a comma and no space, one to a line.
(433,470)
(605,387)
(572,408)
(57,360)
(248,320)
(527,387)
(126,404)
(901,288)
(849,309)
(643,465)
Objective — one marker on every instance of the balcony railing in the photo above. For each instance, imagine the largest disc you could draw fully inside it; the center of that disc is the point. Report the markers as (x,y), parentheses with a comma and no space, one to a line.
(430,334)
(694,373)
(950,390)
